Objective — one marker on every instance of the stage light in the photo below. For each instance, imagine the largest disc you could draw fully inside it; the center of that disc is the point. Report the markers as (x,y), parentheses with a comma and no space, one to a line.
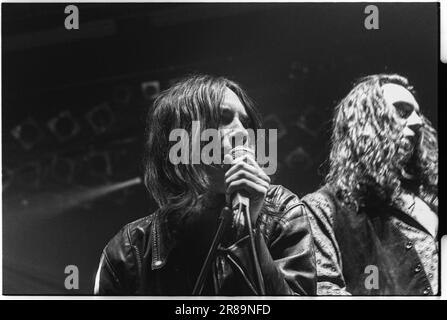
(99,163)
(299,159)
(64,126)
(150,89)
(28,133)
(62,169)
(272,121)
(53,204)
(100,118)
(93,169)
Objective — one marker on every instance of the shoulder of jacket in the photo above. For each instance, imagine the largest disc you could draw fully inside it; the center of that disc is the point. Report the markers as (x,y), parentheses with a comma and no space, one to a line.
(130,235)
(321,203)
(138,226)
(281,200)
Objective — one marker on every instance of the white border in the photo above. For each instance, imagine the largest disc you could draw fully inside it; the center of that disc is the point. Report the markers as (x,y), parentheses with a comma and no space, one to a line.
(443,255)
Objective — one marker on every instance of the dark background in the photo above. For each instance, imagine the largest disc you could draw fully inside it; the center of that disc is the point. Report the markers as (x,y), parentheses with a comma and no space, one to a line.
(74,109)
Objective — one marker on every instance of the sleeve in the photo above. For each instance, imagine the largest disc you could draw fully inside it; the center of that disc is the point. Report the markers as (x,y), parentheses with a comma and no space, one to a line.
(115,275)
(330,280)
(106,280)
(288,263)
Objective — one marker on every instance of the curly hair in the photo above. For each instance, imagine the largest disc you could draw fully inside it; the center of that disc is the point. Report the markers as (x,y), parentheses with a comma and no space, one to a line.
(369,153)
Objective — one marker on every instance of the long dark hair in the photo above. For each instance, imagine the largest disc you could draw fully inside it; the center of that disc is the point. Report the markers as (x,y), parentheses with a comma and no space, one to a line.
(368,167)
(178,188)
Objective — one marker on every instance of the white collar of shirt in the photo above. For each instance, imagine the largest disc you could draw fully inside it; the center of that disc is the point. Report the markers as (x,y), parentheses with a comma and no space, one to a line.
(421,212)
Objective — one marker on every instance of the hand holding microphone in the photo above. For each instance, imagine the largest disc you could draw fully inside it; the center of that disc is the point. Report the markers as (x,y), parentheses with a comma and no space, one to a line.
(246,184)
(245,181)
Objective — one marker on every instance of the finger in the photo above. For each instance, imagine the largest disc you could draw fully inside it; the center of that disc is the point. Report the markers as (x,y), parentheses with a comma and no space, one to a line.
(243,174)
(246,157)
(228,158)
(247,185)
(256,170)
(254,190)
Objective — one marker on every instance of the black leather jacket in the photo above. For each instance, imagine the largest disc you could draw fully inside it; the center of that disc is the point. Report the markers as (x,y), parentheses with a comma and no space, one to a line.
(135,261)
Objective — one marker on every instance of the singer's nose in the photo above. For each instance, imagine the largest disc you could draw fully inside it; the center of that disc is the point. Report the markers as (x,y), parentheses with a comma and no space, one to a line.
(241,132)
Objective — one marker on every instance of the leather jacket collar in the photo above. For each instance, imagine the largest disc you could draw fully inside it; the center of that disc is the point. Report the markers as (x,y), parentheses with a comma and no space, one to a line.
(160,244)
(135,259)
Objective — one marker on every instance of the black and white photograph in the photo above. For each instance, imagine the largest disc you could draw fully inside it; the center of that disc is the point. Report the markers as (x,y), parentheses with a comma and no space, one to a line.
(220,149)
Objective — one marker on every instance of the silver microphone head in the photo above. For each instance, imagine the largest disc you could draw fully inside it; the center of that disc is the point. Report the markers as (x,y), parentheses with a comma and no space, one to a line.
(240,197)
(240,151)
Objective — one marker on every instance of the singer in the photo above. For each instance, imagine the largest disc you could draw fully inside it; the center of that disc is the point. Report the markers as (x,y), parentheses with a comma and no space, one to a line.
(221,229)
(375,221)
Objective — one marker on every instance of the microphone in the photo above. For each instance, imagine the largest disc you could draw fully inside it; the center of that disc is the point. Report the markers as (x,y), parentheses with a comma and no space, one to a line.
(240,202)
(240,197)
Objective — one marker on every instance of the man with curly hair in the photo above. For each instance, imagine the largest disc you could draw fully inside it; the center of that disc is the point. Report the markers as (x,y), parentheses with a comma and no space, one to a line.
(375,222)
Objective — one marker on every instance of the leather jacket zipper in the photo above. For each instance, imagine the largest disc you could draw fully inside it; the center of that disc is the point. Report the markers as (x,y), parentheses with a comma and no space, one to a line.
(156,242)
(139,262)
